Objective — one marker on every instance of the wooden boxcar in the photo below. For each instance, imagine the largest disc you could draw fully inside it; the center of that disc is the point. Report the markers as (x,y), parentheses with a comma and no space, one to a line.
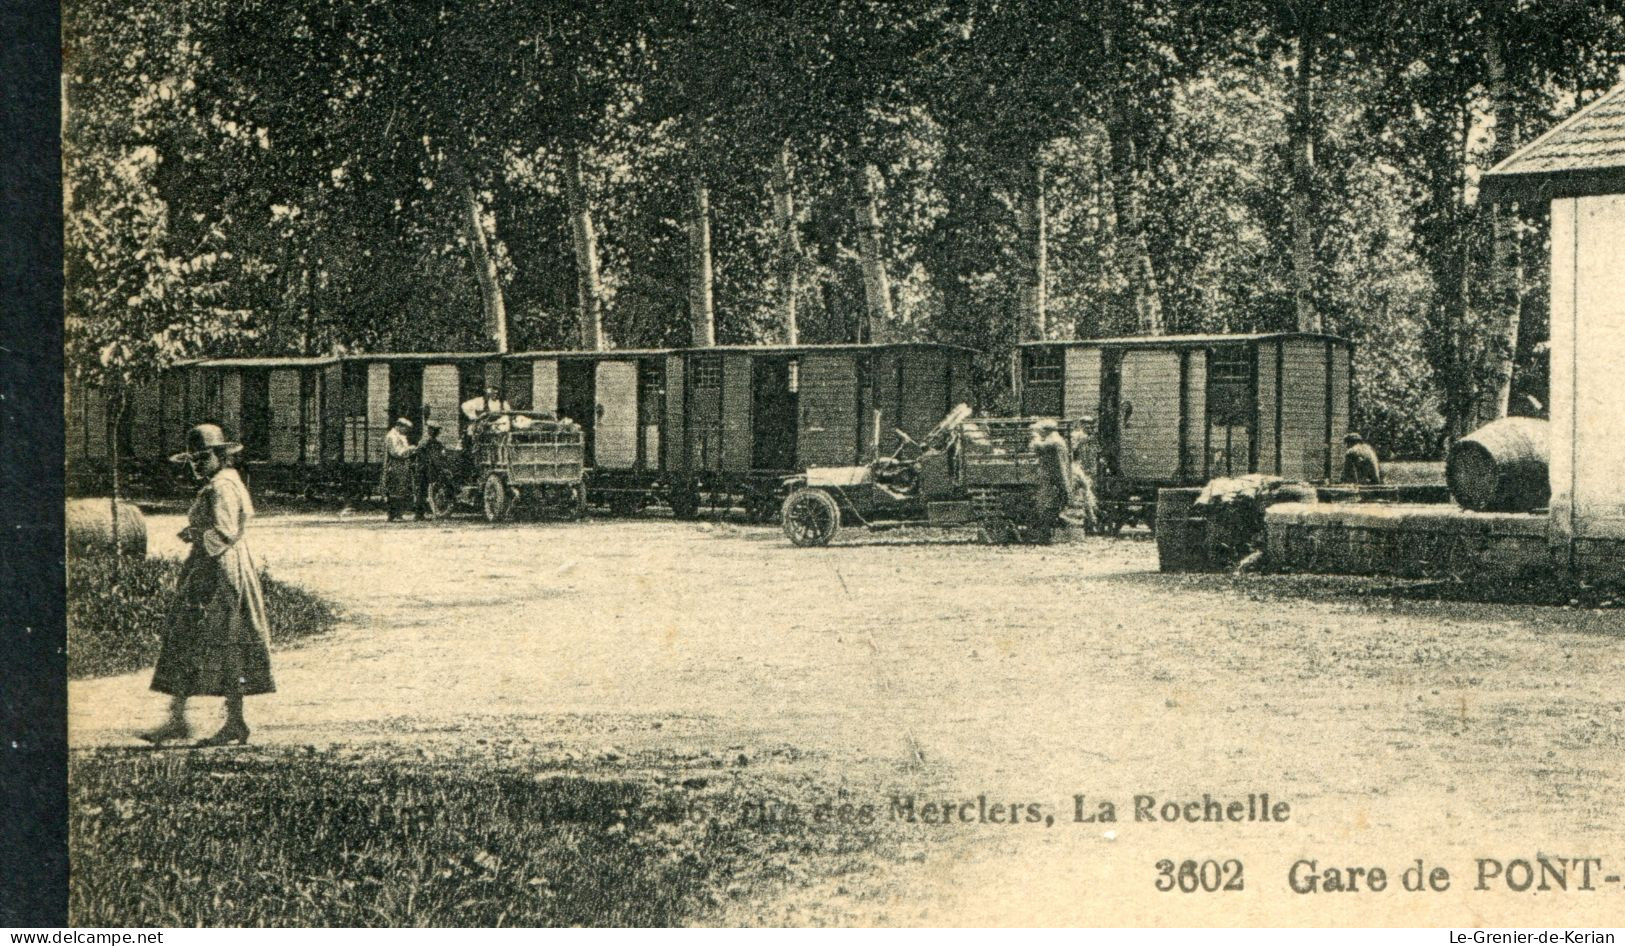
(271,405)
(715,426)
(369,391)
(741,418)
(1179,410)
(618,397)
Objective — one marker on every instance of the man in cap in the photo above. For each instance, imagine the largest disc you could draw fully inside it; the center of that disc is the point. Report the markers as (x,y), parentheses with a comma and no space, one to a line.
(398,477)
(1360,464)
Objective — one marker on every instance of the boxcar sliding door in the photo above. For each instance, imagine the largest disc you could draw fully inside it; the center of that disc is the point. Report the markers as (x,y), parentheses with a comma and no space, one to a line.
(285,415)
(828,432)
(1148,415)
(615,446)
(544,385)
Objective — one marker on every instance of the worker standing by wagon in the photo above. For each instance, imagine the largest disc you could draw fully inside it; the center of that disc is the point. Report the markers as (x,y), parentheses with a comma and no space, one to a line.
(1054,472)
(429,468)
(397,481)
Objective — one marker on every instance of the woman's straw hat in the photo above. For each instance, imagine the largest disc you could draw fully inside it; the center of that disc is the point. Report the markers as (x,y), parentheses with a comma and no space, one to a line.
(204,438)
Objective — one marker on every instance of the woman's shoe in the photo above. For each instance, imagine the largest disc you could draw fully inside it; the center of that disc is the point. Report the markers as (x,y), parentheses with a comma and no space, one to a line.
(228,734)
(168,732)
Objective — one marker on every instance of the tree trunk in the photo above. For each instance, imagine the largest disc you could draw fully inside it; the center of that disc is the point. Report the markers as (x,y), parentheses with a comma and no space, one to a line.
(1034,222)
(492,304)
(1302,146)
(784,220)
(589,292)
(312,277)
(1139,303)
(1506,258)
(876,285)
(117,413)
(701,317)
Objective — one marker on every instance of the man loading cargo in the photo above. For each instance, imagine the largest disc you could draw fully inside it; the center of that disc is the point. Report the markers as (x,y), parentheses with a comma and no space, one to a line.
(488,403)
(1054,472)
(1360,463)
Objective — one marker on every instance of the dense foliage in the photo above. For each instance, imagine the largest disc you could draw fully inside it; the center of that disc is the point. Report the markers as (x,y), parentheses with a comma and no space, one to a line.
(404,174)
(115,626)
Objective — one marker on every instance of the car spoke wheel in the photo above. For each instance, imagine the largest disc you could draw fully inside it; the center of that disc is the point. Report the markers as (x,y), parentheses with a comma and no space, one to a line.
(495,498)
(810,518)
(440,500)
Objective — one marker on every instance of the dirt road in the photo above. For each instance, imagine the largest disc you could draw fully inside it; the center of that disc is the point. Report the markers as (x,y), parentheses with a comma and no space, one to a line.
(1394,729)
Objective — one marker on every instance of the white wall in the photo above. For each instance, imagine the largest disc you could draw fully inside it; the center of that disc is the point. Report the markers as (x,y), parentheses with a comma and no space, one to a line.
(1587,368)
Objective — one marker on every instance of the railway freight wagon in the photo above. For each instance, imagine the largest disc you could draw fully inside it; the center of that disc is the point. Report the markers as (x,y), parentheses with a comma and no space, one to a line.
(618,398)
(368,392)
(1180,410)
(739,419)
(88,436)
(270,405)
(714,426)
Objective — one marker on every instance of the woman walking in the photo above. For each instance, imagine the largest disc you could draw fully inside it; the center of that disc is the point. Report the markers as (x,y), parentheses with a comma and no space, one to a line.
(217,638)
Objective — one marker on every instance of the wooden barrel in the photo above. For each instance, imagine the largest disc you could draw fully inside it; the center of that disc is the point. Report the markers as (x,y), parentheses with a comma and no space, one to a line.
(90,527)
(1501,466)
(1181,535)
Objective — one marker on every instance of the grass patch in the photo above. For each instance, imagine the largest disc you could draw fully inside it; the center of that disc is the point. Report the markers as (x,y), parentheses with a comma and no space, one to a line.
(116,626)
(303,838)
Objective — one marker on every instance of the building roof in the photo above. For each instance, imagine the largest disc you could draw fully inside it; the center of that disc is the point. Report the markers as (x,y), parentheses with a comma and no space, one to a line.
(1168,341)
(1582,155)
(423,356)
(732,349)
(289,361)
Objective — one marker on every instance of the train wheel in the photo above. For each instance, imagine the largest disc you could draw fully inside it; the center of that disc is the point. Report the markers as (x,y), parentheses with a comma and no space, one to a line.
(760,507)
(997,530)
(685,503)
(440,500)
(810,517)
(1038,534)
(495,498)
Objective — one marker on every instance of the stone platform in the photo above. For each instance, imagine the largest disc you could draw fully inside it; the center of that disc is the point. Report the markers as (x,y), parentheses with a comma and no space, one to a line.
(1409,540)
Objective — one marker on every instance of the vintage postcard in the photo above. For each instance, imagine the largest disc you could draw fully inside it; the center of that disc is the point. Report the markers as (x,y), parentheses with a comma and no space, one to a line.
(945,462)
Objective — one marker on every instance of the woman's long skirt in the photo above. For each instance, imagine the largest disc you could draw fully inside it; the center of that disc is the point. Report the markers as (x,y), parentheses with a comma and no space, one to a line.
(217,639)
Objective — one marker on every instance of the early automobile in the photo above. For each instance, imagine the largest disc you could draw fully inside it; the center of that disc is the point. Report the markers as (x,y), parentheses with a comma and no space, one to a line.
(979,472)
(513,460)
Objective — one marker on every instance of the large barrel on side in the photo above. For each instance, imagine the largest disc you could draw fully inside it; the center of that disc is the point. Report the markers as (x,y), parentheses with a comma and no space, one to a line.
(90,528)
(1181,534)
(1502,466)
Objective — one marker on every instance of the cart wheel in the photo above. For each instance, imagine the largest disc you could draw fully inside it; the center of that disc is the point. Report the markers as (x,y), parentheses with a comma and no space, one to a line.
(810,517)
(997,530)
(495,498)
(440,500)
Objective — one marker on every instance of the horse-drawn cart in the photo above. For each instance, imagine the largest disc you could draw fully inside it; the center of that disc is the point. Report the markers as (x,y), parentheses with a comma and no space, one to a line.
(515,460)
